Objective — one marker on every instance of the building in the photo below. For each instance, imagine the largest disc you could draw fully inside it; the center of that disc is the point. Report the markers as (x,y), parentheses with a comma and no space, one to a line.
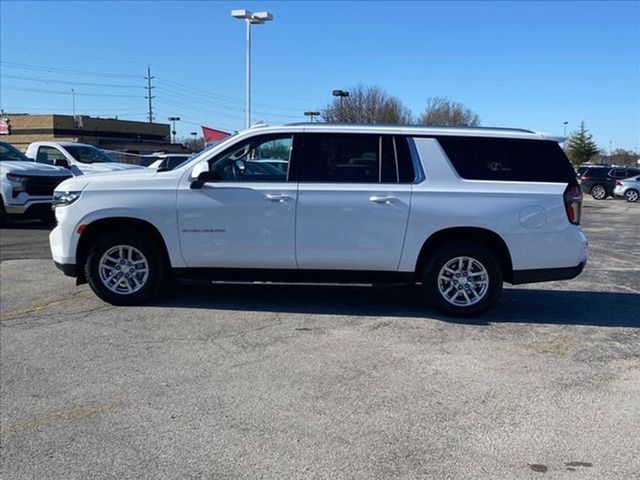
(104,133)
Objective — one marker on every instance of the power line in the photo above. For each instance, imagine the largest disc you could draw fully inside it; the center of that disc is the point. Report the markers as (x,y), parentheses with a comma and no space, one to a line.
(67,82)
(26,66)
(65,92)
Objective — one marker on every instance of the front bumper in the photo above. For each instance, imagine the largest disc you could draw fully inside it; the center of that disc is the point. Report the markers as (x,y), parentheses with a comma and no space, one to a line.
(619,191)
(69,269)
(32,209)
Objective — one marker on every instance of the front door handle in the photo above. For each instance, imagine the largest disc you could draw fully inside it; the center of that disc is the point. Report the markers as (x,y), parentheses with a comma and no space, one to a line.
(381,198)
(277,197)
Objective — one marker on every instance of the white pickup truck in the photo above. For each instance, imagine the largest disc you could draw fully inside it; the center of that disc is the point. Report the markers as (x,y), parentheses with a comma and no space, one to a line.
(26,186)
(79,158)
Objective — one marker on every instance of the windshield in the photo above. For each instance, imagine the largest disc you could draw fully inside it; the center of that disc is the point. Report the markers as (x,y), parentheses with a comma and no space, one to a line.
(87,154)
(10,153)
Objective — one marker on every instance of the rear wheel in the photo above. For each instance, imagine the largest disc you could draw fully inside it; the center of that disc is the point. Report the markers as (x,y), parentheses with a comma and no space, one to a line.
(631,195)
(125,268)
(598,192)
(462,280)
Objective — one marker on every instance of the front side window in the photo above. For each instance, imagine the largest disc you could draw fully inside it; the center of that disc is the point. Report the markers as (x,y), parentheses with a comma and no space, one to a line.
(264,158)
(85,154)
(351,158)
(48,155)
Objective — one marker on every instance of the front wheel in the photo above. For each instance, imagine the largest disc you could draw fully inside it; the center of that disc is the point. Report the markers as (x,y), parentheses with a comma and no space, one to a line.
(462,280)
(125,268)
(598,192)
(631,195)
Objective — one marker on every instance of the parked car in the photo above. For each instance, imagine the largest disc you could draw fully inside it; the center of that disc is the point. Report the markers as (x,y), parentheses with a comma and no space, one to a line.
(629,188)
(600,181)
(27,187)
(168,161)
(457,211)
(79,158)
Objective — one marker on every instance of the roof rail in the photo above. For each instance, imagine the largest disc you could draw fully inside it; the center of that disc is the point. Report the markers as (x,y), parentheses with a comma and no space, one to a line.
(373,125)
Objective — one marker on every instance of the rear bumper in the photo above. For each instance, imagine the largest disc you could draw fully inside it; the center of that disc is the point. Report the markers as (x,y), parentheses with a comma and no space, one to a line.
(547,274)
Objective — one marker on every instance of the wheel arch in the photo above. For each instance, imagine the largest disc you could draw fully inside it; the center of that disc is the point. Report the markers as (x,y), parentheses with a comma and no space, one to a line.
(106,225)
(476,235)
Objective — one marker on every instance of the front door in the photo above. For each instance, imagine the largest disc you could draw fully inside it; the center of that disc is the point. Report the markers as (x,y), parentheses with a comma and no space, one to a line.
(354,196)
(245,217)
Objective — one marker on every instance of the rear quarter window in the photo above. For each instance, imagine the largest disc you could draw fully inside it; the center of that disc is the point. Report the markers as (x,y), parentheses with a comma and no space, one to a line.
(508,159)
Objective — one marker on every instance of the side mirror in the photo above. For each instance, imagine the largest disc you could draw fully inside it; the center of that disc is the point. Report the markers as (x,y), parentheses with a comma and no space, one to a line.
(61,162)
(201,175)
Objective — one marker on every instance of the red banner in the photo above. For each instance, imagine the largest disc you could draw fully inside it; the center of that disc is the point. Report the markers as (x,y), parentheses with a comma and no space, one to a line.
(213,135)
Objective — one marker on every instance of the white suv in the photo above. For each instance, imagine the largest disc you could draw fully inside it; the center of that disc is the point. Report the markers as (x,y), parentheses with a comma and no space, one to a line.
(457,211)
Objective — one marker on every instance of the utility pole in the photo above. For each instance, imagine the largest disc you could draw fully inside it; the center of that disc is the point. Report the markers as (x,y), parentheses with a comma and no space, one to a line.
(73,102)
(148,78)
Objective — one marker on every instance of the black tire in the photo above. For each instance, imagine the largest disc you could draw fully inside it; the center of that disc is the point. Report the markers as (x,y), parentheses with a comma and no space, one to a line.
(631,195)
(157,268)
(599,192)
(3,213)
(446,254)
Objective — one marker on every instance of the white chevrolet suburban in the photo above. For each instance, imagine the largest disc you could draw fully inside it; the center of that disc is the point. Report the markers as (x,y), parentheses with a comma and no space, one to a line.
(26,187)
(78,158)
(455,210)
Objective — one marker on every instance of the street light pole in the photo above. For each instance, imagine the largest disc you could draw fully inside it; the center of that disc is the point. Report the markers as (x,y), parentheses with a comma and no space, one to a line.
(73,101)
(257,18)
(311,114)
(173,120)
(341,94)
(565,128)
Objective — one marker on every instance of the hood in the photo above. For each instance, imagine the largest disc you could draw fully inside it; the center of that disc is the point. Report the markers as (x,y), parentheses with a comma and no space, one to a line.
(91,168)
(32,168)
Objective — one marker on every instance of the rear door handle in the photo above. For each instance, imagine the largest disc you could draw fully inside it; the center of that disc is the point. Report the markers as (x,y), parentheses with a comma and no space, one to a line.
(277,197)
(381,198)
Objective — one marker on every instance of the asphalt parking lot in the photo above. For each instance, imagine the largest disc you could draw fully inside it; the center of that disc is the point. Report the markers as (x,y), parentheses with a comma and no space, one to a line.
(279,382)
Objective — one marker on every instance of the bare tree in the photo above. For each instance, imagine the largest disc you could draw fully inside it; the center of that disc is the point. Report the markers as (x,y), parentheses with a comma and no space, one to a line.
(440,111)
(193,144)
(372,105)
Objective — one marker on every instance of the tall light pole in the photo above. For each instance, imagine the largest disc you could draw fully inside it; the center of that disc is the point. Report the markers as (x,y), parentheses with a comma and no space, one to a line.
(257,18)
(311,114)
(73,101)
(565,128)
(341,94)
(173,120)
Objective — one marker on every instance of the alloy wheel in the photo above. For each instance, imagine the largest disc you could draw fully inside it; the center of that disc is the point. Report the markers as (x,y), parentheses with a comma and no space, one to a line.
(598,192)
(123,269)
(463,281)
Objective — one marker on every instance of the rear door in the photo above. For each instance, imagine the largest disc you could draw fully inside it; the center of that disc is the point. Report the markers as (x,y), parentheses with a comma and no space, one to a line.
(354,195)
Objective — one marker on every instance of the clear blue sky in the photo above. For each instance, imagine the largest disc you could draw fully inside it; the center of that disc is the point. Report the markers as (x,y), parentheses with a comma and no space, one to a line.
(521,64)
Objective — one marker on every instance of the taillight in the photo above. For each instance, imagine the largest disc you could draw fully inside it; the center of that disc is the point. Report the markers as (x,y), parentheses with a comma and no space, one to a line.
(618,183)
(586,177)
(573,203)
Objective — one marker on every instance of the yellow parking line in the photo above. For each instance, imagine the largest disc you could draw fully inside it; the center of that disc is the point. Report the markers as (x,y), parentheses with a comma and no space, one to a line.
(34,308)
(78,413)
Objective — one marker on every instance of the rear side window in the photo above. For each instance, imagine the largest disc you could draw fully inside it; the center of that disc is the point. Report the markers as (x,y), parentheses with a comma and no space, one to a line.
(351,158)
(508,159)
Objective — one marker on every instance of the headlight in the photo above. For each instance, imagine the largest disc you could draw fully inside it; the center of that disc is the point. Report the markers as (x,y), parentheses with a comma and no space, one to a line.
(61,199)
(18,184)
